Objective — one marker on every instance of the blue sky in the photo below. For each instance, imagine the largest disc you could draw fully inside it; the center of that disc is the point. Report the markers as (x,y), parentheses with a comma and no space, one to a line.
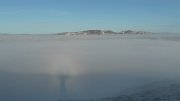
(51,16)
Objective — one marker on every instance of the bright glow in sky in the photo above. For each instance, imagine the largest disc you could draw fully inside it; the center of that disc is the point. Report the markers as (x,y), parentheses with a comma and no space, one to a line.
(51,16)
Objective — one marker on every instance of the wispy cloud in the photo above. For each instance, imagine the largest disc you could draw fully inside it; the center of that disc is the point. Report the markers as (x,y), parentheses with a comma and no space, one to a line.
(50,12)
(168,25)
(163,25)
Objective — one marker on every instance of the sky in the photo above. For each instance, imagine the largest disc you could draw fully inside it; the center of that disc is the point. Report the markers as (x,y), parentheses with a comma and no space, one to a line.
(53,16)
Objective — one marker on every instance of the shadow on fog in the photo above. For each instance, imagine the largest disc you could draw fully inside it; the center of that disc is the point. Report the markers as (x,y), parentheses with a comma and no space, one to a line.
(16,86)
(54,68)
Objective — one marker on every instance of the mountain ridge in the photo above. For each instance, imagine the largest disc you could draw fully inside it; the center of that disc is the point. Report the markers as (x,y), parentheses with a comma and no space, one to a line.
(102,32)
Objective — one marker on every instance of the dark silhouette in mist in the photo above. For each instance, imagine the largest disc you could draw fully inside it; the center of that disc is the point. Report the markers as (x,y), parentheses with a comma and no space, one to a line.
(63,88)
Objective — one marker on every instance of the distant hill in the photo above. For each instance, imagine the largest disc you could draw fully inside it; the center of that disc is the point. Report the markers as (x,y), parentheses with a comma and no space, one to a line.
(102,32)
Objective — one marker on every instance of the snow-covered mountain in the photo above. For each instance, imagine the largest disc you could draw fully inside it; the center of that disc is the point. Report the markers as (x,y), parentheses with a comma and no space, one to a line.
(102,32)
(134,32)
